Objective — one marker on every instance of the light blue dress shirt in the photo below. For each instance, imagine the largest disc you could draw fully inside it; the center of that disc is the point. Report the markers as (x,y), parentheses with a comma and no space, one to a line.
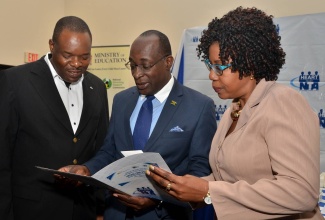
(157,104)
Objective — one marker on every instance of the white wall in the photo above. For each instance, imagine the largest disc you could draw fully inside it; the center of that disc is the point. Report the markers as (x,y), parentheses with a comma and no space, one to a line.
(27,25)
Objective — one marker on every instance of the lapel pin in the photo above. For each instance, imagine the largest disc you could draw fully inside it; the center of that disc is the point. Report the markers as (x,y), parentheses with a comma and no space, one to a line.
(91,87)
(173,102)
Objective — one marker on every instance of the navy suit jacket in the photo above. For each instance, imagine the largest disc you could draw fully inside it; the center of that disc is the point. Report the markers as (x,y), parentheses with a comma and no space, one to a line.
(185,152)
(35,129)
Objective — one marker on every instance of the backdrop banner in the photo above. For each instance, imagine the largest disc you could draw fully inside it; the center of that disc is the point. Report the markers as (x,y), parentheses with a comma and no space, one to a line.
(302,38)
(107,63)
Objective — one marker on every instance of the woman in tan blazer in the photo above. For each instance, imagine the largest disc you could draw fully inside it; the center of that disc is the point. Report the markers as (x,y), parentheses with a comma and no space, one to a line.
(265,153)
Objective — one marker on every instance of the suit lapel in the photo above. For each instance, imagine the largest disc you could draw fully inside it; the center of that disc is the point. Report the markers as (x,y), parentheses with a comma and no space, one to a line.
(256,97)
(43,82)
(173,102)
(90,99)
(129,107)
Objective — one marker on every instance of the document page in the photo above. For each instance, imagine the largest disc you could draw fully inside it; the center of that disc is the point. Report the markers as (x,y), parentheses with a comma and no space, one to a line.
(127,175)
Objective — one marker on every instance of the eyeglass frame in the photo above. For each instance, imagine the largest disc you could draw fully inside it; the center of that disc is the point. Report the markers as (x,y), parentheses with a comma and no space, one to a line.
(144,68)
(217,68)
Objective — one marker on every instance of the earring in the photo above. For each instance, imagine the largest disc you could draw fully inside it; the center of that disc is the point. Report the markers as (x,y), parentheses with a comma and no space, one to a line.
(252,77)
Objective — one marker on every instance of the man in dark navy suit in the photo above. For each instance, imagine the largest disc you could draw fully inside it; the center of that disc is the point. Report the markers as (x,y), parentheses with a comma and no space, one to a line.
(182,127)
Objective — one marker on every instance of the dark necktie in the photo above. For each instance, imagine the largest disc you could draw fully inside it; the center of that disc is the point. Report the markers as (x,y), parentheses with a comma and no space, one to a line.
(142,125)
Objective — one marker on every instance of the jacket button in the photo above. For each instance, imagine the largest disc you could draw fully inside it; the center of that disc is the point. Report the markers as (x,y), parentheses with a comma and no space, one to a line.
(75,139)
(75,161)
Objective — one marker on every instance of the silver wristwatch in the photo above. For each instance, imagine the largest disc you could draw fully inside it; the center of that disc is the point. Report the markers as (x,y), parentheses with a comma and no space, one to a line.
(207,198)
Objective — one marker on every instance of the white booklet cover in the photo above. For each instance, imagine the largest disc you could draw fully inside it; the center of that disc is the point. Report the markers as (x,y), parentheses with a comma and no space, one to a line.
(128,176)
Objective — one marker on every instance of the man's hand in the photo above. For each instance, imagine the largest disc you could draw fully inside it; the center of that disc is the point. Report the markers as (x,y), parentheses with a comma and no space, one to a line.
(136,203)
(77,169)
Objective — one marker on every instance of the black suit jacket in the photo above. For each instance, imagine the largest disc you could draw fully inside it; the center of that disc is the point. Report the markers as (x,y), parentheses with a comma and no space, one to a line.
(185,152)
(35,130)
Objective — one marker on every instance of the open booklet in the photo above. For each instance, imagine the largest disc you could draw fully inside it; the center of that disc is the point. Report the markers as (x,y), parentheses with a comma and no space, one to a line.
(128,176)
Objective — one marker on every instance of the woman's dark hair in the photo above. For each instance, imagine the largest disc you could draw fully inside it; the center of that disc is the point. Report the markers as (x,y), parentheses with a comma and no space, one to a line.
(249,37)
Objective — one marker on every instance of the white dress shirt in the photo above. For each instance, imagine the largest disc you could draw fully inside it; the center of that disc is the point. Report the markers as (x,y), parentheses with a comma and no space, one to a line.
(72,96)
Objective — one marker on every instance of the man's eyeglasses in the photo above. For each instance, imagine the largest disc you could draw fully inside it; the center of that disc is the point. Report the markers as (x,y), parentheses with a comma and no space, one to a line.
(143,67)
(217,68)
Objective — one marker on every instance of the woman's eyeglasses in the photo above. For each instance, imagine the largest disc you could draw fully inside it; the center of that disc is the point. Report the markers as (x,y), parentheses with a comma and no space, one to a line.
(217,68)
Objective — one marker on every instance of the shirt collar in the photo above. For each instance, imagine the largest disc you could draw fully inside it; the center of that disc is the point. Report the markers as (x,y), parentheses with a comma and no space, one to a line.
(164,92)
(53,71)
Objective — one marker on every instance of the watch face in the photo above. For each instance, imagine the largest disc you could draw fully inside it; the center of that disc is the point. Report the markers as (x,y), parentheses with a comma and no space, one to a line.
(207,200)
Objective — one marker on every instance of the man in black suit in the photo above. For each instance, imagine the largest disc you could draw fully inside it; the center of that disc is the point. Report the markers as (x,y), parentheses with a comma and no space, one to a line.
(52,112)
(182,127)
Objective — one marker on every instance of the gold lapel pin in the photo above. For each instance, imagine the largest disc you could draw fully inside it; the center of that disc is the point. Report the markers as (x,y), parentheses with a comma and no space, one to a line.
(173,102)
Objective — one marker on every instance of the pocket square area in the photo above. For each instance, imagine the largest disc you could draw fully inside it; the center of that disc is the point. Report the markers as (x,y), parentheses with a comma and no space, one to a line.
(176,129)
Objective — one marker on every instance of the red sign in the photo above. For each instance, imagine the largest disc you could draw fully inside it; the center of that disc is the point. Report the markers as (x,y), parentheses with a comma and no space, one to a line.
(30,57)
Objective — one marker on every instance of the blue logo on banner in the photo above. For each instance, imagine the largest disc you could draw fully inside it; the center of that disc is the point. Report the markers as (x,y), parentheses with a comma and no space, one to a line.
(307,81)
(219,111)
(277,28)
(321,116)
(195,39)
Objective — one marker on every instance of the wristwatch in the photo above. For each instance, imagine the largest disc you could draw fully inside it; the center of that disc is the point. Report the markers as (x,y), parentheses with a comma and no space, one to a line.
(207,198)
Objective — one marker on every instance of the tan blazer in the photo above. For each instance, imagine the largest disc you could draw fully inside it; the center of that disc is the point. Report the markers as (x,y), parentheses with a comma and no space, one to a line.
(268,167)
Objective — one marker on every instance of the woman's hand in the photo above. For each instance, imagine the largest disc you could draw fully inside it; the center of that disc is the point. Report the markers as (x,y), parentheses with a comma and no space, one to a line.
(186,188)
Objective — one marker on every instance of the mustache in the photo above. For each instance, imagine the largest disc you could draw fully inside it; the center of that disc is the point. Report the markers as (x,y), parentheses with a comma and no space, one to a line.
(76,69)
